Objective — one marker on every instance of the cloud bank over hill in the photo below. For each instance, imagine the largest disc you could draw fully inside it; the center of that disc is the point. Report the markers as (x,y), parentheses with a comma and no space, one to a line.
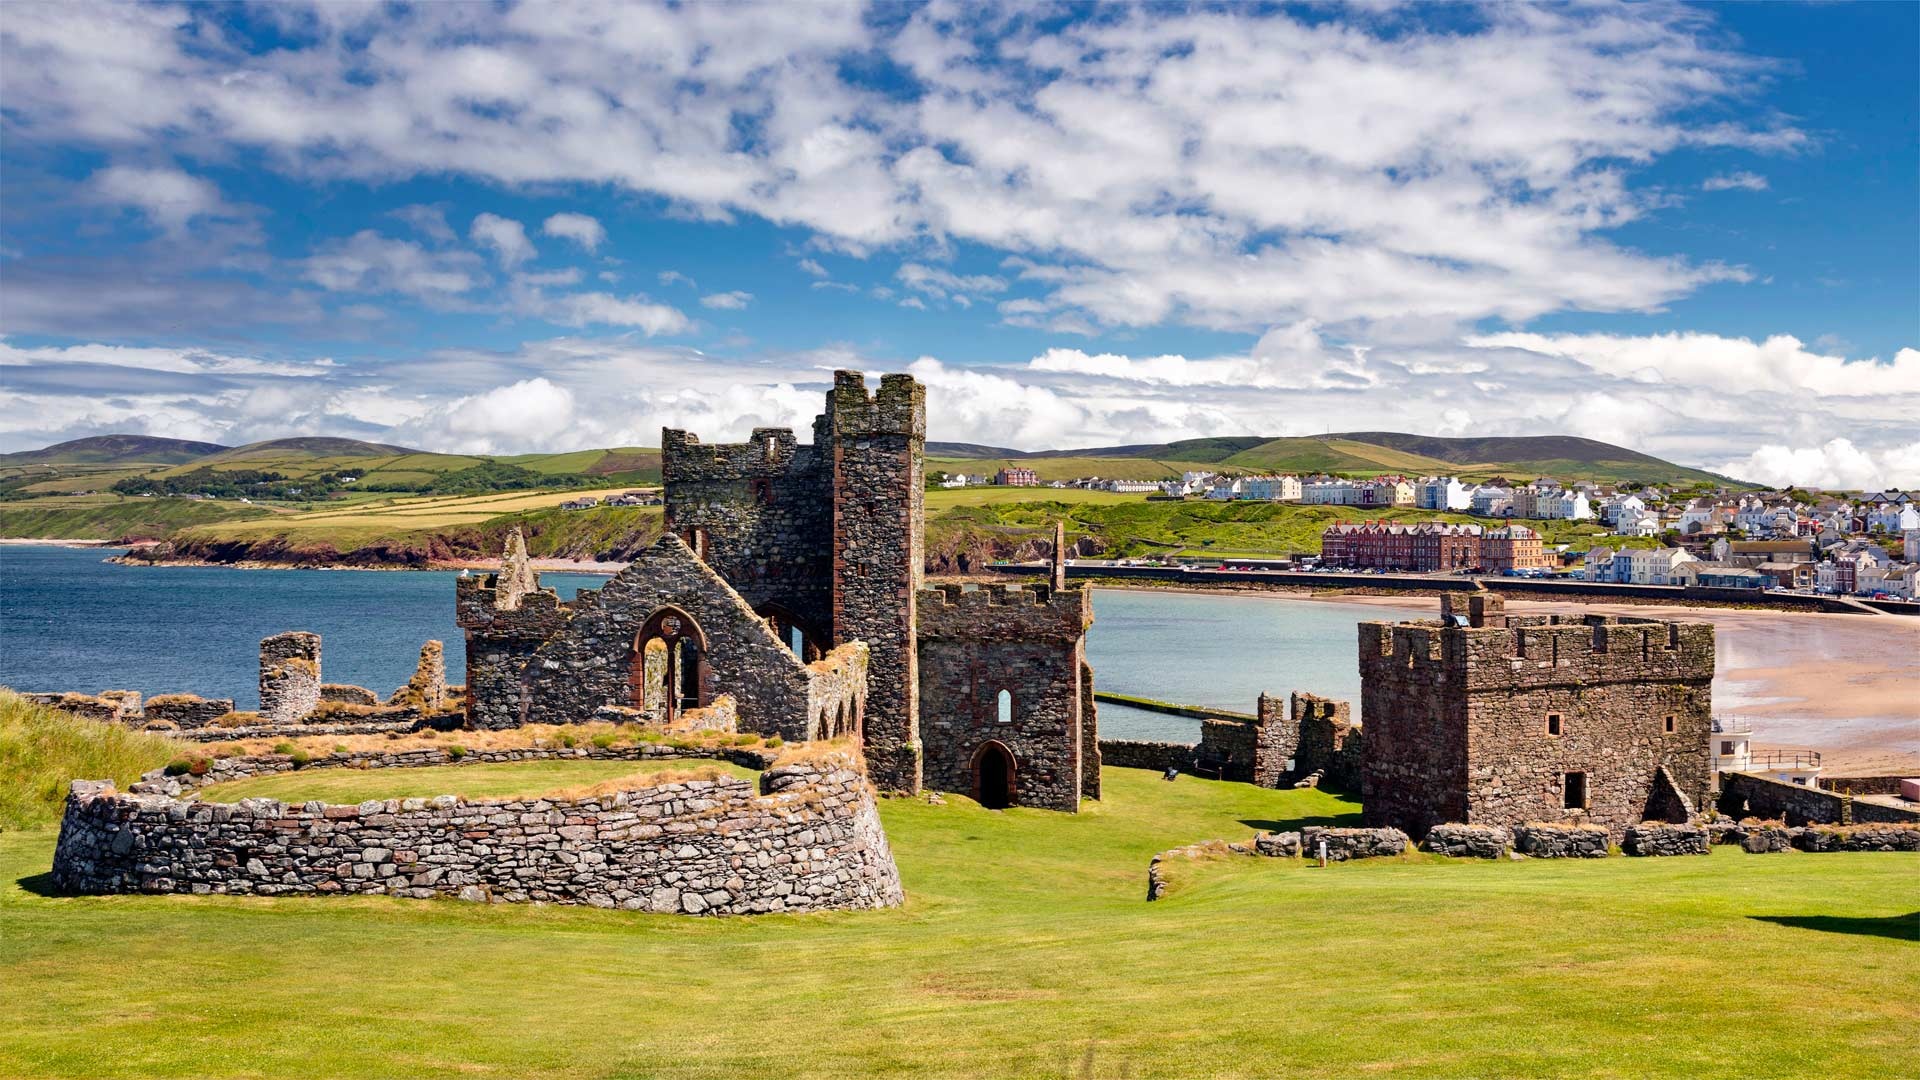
(1378,203)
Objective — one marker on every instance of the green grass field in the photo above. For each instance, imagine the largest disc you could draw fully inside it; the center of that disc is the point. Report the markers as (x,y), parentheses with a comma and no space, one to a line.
(503,780)
(1026,949)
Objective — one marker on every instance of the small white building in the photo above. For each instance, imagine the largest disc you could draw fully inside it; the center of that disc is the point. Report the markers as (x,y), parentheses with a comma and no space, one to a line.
(1491,500)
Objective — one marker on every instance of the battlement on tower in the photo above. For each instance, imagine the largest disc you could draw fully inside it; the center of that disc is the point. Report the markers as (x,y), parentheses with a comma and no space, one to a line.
(1005,612)
(1545,650)
(899,407)
(768,453)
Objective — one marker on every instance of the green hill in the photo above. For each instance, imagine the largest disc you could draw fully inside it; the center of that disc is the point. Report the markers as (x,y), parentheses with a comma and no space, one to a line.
(109,449)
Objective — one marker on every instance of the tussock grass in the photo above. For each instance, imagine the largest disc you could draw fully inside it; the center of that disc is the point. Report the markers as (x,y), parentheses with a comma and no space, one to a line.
(43,749)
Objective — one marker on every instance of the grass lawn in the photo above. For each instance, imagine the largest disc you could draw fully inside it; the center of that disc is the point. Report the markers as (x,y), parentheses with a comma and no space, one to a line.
(492,780)
(1026,949)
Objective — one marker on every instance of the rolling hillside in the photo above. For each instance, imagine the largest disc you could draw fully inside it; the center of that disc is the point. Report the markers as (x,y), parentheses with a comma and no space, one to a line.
(114,449)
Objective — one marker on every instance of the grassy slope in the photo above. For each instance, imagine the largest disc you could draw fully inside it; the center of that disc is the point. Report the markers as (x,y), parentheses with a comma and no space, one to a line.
(41,750)
(1135,526)
(1070,468)
(506,780)
(111,517)
(1026,949)
(1308,455)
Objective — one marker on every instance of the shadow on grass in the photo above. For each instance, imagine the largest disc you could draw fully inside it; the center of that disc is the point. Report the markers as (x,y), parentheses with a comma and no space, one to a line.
(39,884)
(1899,927)
(1337,821)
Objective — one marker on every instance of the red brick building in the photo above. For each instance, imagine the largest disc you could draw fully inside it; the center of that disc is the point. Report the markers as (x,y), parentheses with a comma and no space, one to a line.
(1425,546)
(1013,476)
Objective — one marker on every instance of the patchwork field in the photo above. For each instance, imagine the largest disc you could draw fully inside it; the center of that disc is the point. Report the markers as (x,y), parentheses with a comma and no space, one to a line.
(1026,950)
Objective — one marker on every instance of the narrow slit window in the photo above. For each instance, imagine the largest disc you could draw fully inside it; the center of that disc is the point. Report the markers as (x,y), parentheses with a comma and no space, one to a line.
(1005,715)
(1669,725)
(1553,723)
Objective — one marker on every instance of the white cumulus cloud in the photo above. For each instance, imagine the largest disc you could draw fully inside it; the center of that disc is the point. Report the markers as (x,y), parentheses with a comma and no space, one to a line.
(505,236)
(579,228)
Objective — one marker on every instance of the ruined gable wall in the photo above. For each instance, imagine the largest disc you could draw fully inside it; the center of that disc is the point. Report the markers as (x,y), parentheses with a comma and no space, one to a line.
(501,642)
(289,676)
(879,555)
(974,644)
(590,663)
(1329,743)
(1414,707)
(764,510)
(1613,685)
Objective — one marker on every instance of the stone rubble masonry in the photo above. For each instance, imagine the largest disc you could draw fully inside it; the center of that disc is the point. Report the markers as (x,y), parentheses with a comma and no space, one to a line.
(249,766)
(1875,837)
(1483,723)
(1344,844)
(184,711)
(553,663)
(1555,840)
(879,557)
(1090,753)
(113,706)
(1749,795)
(808,839)
(1026,641)
(428,686)
(1142,754)
(347,694)
(1326,740)
(289,676)
(1657,838)
(1469,841)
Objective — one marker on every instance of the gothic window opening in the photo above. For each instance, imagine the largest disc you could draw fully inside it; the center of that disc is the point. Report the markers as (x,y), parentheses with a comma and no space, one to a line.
(1004,706)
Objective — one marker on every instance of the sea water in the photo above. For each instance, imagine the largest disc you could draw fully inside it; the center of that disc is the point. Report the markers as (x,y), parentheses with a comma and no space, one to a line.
(69,620)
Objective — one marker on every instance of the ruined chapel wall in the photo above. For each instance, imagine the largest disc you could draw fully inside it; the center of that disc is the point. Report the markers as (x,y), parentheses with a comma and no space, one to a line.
(501,642)
(591,662)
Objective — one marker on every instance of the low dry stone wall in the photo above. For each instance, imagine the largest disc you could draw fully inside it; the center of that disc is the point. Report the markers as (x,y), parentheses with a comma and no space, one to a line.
(245,767)
(1858,838)
(1344,844)
(1141,754)
(348,694)
(1660,839)
(185,711)
(808,839)
(1762,839)
(1469,841)
(1549,841)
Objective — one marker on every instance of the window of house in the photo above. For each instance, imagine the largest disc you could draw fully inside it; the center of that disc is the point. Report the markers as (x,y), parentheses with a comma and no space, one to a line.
(1574,784)
(1726,749)
(1669,725)
(1553,723)
(1006,707)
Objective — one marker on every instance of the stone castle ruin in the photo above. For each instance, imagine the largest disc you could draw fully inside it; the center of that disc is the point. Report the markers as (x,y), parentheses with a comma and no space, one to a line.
(1486,718)
(788,591)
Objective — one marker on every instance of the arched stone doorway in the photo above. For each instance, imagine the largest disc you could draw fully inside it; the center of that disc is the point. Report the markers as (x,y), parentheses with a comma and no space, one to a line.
(995,782)
(669,665)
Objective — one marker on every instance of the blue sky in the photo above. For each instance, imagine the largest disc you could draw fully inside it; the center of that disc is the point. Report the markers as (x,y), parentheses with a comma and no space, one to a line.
(1689,230)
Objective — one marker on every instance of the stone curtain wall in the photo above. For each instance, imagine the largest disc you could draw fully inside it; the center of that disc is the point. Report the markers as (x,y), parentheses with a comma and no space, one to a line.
(289,676)
(1327,741)
(764,510)
(809,839)
(1457,718)
(1026,641)
(1140,754)
(879,556)
(1748,795)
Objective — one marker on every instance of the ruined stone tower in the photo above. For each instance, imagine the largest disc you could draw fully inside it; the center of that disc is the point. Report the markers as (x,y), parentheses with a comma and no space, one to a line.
(1487,718)
(879,515)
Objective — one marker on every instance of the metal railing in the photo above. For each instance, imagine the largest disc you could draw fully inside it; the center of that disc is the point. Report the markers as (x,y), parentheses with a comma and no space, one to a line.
(1785,759)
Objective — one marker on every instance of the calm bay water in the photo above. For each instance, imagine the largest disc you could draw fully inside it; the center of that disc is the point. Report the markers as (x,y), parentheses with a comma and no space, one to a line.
(70,621)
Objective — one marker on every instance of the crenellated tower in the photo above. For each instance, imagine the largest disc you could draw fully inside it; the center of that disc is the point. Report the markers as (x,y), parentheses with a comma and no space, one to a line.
(878,457)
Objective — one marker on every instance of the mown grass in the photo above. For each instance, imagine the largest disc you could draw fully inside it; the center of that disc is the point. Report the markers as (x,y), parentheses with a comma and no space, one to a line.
(42,750)
(1026,949)
(489,780)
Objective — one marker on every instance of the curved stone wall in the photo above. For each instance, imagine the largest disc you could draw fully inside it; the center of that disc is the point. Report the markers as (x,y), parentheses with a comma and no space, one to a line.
(808,839)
